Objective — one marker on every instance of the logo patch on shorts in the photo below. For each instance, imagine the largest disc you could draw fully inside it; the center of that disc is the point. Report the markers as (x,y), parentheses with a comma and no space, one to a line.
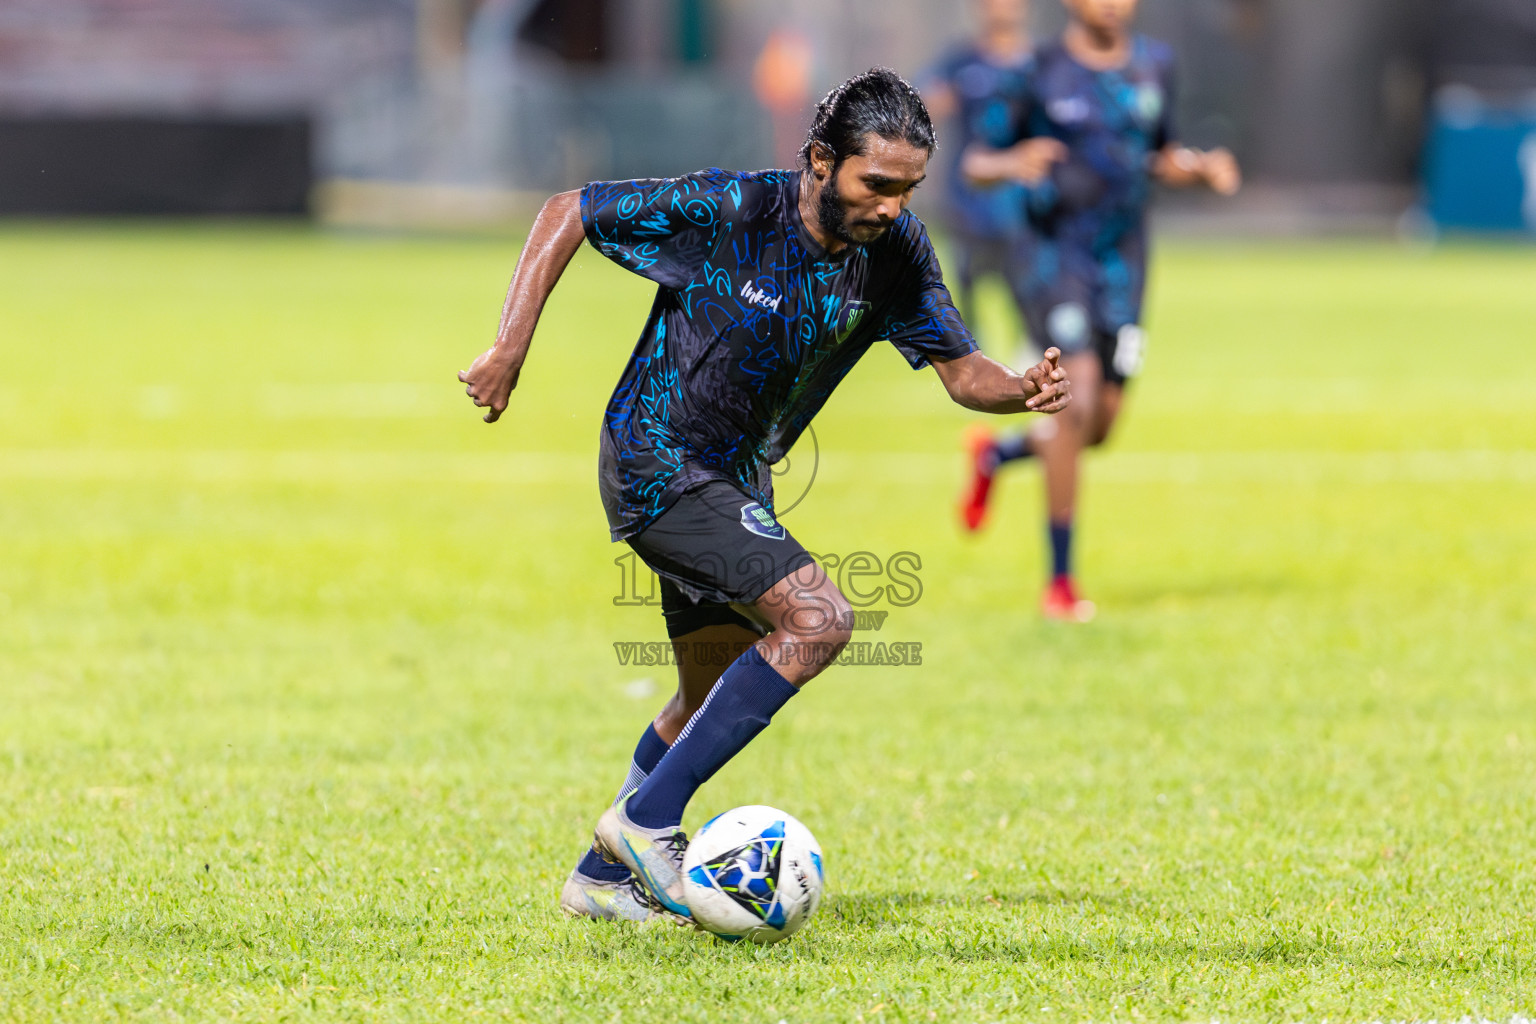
(1068,326)
(761,522)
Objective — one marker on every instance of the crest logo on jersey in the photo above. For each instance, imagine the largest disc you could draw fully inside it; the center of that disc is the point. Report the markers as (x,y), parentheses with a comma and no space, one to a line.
(1149,103)
(852,315)
(760,521)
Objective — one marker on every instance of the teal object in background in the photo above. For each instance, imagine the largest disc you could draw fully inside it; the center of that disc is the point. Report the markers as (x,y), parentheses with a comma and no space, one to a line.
(1480,165)
(693,35)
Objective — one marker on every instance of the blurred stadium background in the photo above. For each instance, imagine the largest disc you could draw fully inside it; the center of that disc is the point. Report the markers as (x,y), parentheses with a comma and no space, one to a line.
(1346,115)
(308,687)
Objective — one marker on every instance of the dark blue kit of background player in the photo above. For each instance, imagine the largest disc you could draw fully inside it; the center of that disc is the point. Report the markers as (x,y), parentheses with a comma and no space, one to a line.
(1086,247)
(991,98)
(753,326)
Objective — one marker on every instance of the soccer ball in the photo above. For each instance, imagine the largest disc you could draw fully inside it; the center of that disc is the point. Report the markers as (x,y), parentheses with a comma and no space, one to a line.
(753,873)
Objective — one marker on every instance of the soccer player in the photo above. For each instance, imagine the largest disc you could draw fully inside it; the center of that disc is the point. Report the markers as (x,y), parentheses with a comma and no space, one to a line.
(770,287)
(983,86)
(1095,134)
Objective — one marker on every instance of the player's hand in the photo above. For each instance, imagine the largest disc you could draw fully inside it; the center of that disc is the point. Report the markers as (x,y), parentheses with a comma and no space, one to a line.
(1029,162)
(490,379)
(1220,170)
(1045,384)
(1033,159)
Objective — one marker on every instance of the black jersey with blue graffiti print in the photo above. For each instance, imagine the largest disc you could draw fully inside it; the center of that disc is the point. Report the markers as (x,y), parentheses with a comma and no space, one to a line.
(752,327)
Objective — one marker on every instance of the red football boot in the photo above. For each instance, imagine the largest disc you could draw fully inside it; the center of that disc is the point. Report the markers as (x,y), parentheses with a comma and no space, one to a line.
(983,456)
(1062,604)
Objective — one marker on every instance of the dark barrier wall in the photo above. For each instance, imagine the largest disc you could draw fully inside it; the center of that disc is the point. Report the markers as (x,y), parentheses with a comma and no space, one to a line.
(1487,44)
(1304,90)
(133,165)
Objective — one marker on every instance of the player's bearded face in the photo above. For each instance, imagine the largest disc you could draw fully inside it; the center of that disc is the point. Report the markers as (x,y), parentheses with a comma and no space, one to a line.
(863,195)
(833,213)
(1104,15)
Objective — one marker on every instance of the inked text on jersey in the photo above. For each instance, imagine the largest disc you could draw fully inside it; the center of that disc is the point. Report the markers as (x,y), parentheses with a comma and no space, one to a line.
(758,297)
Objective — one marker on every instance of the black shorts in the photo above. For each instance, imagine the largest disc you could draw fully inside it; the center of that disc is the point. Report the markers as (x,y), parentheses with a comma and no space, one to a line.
(1082,301)
(715,548)
(1068,326)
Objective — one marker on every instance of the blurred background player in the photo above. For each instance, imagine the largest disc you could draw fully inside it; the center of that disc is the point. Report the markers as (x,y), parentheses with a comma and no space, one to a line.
(1096,132)
(980,87)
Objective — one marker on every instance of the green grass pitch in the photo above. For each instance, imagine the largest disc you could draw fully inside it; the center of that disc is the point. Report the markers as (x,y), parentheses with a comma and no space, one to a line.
(309,694)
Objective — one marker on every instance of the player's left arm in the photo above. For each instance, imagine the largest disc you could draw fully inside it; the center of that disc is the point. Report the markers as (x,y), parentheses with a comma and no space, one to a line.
(926,328)
(985,385)
(1182,167)
(1179,166)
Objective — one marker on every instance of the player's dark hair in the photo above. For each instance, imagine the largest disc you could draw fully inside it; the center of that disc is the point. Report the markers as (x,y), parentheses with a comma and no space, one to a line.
(878,102)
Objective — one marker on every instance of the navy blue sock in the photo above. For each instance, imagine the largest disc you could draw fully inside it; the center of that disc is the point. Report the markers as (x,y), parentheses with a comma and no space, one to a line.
(648,753)
(1012,449)
(737,709)
(1061,549)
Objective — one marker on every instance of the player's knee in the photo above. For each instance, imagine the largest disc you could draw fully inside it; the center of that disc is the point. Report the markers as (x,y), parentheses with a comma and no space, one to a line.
(1104,422)
(1077,418)
(814,656)
(837,638)
(823,647)
(822,633)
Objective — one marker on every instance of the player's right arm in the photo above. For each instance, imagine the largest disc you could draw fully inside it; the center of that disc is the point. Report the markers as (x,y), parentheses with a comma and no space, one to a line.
(1028,162)
(1022,153)
(556,235)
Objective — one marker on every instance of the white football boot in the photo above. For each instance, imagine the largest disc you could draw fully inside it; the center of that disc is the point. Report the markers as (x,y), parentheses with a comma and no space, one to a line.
(600,900)
(655,855)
